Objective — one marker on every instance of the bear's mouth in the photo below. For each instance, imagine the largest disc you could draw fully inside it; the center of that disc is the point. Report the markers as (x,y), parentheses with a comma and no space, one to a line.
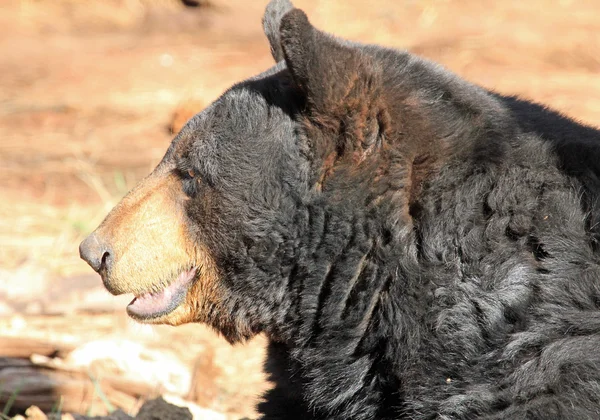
(156,304)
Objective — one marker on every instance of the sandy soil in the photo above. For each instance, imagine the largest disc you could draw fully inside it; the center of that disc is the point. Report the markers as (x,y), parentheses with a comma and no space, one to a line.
(90,92)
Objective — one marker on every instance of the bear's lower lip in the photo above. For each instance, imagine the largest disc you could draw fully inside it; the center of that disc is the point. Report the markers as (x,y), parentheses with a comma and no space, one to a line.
(155,305)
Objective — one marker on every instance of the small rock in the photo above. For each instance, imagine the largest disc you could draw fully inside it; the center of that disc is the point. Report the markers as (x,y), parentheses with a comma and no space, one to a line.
(159,409)
(34,413)
(196,411)
(115,415)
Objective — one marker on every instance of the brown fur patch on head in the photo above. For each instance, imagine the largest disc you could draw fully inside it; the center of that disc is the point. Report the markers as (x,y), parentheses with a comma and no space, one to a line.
(150,246)
(326,169)
(346,111)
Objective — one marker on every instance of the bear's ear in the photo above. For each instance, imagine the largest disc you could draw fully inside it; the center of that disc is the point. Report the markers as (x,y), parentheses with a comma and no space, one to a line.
(276,9)
(341,83)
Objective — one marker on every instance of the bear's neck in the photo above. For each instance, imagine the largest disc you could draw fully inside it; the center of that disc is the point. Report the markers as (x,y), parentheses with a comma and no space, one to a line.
(343,276)
(354,298)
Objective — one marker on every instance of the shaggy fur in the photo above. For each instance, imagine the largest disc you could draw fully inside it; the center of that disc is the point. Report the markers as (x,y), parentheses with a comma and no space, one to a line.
(412,245)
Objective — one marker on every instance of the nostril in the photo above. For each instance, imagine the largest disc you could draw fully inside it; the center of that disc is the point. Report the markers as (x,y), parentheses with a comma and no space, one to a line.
(105,261)
(96,253)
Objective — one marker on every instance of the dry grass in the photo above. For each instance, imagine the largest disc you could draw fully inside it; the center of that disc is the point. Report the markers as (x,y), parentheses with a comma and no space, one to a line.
(43,235)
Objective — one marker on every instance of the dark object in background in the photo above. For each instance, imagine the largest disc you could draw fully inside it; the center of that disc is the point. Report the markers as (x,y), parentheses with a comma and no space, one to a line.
(195,3)
(157,409)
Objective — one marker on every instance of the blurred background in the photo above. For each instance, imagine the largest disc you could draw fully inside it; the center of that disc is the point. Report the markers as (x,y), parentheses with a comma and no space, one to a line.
(91,94)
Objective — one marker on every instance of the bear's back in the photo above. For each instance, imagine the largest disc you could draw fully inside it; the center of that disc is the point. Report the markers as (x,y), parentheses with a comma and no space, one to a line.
(577,147)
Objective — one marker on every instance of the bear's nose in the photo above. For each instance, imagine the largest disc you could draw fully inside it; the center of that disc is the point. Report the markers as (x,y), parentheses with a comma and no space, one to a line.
(96,253)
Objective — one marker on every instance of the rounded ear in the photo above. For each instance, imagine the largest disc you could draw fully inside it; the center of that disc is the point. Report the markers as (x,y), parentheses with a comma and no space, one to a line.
(276,9)
(301,49)
(342,84)
(331,72)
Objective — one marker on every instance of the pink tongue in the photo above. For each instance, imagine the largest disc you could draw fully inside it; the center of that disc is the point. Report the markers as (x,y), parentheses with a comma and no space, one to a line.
(151,305)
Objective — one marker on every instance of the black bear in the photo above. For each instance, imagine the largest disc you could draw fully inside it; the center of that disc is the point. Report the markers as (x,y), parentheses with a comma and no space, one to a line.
(412,245)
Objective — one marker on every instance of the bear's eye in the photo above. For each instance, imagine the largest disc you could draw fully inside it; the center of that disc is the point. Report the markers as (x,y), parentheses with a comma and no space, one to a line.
(190,181)
(186,173)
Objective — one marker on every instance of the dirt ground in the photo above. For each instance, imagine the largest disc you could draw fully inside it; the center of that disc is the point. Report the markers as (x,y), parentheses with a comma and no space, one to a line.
(90,93)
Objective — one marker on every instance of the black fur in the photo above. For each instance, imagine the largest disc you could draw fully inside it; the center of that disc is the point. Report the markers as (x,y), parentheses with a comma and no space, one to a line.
(414,246)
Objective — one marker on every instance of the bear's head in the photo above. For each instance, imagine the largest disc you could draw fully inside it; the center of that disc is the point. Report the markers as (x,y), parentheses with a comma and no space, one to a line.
(215,232)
